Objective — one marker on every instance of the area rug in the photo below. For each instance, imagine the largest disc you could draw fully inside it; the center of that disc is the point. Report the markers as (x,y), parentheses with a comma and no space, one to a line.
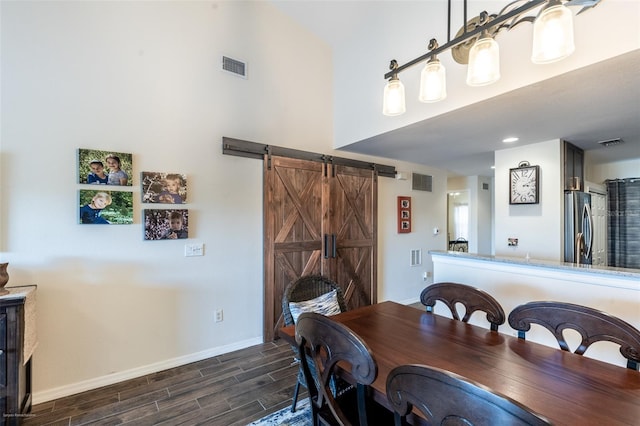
(284,417)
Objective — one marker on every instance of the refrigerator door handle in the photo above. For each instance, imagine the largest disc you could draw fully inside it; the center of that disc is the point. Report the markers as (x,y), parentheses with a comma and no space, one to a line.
(579,248)
(588,232)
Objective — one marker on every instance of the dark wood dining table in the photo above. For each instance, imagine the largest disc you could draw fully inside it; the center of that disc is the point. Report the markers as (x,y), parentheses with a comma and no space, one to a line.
(566,388)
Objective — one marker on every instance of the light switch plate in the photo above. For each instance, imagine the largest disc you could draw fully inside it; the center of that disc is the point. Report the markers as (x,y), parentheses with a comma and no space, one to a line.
(194,249)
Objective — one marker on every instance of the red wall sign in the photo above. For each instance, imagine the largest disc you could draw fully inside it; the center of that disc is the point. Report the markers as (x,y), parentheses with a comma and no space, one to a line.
(404,215)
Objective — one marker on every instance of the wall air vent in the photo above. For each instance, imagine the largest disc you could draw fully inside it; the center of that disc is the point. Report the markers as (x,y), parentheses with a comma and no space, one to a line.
(416,257)
(611,142)
(421,182)
(234,67)
(485,186)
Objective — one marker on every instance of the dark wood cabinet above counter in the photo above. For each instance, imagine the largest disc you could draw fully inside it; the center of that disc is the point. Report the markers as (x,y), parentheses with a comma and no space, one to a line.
(573,167)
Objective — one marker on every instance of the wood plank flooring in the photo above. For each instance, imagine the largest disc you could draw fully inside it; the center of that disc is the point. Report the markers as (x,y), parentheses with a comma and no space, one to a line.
(232,389)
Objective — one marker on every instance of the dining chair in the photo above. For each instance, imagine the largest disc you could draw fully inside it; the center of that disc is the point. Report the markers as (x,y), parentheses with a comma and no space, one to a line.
(446,398)
(327,344)
(592,324)
(473,299)
(311,293)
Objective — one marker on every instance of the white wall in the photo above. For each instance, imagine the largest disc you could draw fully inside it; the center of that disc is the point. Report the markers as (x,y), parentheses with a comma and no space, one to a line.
(618,170)
(485,215)
(144,78)
(538,227)
(401,282)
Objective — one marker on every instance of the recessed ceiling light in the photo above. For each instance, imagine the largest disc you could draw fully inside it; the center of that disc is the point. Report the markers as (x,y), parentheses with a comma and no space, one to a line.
(509,140)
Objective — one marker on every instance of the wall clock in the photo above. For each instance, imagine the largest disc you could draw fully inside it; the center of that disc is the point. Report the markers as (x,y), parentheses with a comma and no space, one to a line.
(524,184)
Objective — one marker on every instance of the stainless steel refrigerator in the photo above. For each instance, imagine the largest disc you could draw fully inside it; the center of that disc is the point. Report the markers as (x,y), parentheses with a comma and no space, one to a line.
(578,227)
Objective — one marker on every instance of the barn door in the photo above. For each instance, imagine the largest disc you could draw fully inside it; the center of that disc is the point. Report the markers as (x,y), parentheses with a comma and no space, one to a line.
(353,201)
(319,218)
(293,230)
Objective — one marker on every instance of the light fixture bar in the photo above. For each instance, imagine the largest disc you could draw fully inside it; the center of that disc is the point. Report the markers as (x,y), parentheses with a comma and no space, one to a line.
(493,21)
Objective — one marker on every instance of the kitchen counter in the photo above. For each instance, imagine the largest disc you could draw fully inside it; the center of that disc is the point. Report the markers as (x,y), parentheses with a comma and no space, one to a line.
(548,264)
(513,281)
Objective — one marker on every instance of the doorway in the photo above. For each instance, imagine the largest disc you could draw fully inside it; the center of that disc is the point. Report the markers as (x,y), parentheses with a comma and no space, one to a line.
(458,220)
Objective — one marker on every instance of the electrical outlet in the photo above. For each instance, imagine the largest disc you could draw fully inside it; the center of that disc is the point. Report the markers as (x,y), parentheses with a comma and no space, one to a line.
(219,315)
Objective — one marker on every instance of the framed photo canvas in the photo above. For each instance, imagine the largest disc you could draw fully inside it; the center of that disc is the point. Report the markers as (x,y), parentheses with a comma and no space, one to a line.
(105,207)
(161,224)
(164,188)
(97,167)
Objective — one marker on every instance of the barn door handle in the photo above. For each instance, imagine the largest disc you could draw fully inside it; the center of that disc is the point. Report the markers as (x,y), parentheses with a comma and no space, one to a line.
(326,246)
(333,245)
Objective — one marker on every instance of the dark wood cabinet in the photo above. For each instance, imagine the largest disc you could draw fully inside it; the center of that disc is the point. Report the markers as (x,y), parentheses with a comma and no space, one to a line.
(573,167)
(15,364)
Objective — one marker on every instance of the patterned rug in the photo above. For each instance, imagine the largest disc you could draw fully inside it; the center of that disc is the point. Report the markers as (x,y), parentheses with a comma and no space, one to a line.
(284,417)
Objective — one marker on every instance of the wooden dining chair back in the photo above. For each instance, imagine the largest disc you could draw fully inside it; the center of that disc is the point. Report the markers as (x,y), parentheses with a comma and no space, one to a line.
(473,299)
(593,326)
(302,295)
(445,398)
(328,343)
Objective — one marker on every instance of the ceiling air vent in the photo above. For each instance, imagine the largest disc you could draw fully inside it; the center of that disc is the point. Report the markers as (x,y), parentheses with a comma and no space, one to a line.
(611,142)
(234,66)
(421,182)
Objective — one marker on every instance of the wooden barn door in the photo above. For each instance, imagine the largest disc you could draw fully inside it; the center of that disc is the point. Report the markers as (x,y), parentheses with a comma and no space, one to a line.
(352,206)
(319,218)
(292,229)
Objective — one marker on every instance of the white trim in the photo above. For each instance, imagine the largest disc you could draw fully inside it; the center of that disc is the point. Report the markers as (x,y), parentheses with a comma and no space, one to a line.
(410,301)
(74,388)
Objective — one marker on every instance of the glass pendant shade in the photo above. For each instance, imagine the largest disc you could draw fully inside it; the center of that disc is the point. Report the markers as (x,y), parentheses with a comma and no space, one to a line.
(393,103)
(433,83)
(552,34)
(484,62)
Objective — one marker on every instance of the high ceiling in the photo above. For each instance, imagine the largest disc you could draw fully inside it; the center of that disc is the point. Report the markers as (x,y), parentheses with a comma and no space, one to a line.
(595,103)
(607,106)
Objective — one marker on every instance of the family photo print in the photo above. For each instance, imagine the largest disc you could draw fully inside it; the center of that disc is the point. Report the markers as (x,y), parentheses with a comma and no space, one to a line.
(105,207)
(165,188)
(166,224)
(97,167)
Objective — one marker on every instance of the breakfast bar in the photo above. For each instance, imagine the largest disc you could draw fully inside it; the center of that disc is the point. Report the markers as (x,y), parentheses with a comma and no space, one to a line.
(513,281)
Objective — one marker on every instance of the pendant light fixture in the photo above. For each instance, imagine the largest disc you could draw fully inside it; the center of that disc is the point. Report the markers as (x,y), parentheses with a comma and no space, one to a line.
(552,34)
(433,79)
(476,46)
(484,61)
(393,102)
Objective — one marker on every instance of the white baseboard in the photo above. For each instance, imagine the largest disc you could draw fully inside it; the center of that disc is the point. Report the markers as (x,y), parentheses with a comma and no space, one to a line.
(409,301)
(62,391)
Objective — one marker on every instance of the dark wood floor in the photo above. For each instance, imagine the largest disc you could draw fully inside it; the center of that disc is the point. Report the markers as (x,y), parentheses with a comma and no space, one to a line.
(231,389)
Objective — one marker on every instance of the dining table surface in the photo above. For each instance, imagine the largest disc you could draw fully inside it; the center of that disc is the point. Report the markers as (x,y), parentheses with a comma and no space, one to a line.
(565,388)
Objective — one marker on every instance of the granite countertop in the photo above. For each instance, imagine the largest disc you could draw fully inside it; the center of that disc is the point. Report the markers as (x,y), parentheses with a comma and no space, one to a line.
(549,264)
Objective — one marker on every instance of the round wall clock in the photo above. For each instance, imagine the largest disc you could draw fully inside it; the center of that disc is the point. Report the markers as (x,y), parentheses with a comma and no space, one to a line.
(524,184)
